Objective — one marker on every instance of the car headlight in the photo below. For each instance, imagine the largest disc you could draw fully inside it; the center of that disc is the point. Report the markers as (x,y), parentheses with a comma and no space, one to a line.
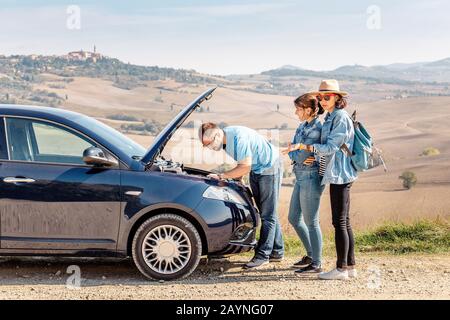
(223,194)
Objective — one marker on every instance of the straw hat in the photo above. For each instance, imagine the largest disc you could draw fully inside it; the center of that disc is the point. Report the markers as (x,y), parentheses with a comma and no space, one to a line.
(329,86)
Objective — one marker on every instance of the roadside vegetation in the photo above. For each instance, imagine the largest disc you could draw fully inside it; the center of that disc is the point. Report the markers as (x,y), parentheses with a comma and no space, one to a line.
(422,236)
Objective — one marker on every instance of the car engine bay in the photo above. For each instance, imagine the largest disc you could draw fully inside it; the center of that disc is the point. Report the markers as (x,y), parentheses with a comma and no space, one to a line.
(166,165)
(163,165)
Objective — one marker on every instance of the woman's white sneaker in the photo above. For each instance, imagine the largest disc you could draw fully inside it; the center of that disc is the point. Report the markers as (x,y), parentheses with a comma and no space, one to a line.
(334,274)
(352,273)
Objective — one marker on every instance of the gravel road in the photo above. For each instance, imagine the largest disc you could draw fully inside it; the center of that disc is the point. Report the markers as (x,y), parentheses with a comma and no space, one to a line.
(380,277)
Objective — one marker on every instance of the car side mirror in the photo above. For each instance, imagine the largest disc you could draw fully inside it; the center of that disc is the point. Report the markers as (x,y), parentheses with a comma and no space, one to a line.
(96,157)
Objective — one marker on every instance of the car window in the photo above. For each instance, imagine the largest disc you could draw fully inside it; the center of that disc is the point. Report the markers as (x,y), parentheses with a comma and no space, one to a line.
(31,140)
(3,150)
(120,141)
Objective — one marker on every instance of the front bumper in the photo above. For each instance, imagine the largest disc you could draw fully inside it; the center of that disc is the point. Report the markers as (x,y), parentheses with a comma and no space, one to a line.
(230,227)
(238,246)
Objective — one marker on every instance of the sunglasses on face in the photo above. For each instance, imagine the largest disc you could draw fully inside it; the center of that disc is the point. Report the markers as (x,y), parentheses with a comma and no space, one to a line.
(326,97)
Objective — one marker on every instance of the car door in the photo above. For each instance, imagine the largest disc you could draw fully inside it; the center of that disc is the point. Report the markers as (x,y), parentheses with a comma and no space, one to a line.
(3,156)
(49,199)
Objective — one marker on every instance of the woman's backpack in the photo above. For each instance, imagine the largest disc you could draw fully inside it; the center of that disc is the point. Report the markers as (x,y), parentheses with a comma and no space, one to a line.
(365,155)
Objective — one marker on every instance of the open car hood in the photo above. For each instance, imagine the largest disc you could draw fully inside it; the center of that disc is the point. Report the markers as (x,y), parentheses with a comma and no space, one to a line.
(164,136)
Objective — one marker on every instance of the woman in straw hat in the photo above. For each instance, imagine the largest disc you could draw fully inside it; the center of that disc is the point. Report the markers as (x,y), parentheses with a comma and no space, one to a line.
(336,169)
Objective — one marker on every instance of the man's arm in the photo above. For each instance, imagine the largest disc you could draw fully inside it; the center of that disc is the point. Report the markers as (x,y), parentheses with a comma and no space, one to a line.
(243,168)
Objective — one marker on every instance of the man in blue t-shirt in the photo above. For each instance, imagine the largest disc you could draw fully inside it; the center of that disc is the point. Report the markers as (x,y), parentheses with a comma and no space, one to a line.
(259,158)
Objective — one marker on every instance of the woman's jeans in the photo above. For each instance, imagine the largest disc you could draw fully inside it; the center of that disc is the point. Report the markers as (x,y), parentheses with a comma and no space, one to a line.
(266,191)
(343,234)
(304,210)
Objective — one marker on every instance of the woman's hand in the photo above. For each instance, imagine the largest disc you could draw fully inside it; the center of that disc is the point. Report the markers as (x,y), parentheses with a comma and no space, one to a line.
(291,147)
(287,150)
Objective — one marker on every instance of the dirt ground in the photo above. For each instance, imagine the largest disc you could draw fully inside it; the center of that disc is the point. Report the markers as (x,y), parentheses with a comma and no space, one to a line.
(380,277)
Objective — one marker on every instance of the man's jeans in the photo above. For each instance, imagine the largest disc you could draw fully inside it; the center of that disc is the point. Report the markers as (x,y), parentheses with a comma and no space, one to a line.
(304,211)
(266,190)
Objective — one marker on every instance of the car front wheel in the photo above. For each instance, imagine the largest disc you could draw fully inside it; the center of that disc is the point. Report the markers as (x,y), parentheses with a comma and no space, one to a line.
(166,247)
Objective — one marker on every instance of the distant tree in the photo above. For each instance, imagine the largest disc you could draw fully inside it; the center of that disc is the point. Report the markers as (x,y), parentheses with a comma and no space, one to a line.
(409,179)
(287,174)
(122,117)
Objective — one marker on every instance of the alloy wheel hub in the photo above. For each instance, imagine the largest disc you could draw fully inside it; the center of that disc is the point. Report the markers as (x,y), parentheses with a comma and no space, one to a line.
(166,249)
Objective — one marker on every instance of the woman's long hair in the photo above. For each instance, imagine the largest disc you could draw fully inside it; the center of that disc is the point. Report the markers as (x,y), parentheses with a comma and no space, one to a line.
(341,102)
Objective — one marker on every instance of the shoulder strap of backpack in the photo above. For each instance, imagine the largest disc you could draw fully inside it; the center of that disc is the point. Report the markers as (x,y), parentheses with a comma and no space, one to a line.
(344,147)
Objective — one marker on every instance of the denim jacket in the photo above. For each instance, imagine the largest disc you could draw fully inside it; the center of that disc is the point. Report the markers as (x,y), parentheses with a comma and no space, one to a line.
(307,133)
(337,130)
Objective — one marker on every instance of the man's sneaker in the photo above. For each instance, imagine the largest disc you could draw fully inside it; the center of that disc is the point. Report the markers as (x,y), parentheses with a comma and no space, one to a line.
(255,263)
(334,274)
(303,262)
(310,268)
(352,273)
(275,258)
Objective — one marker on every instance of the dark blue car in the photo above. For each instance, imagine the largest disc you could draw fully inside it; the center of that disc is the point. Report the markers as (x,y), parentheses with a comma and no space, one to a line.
(71,185)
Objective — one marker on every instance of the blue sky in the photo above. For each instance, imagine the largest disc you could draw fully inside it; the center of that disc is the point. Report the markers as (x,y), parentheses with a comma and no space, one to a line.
(226,37)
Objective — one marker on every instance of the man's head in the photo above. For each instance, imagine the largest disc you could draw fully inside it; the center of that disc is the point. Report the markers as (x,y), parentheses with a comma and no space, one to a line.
(211,136)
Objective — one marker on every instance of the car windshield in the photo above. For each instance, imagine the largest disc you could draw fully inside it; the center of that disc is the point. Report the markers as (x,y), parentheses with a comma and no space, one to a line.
(122,142)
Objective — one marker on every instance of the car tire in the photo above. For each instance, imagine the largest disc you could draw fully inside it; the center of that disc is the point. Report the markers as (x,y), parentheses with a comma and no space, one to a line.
(166,247)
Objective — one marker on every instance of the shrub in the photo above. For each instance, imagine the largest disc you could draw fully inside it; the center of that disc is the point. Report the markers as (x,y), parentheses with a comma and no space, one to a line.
(409,179)
(431,152)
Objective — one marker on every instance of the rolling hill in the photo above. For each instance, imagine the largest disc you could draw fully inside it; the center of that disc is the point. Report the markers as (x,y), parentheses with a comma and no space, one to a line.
(404,114)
